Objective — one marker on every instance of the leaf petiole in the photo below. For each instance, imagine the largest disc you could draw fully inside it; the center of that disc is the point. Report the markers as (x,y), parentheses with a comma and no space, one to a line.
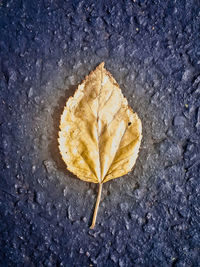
(96,206)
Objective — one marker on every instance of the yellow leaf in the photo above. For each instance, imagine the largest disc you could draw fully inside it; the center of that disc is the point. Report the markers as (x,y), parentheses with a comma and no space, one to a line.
(100,135)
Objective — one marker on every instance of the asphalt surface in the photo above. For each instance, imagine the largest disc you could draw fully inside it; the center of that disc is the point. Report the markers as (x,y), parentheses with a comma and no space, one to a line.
(150,217)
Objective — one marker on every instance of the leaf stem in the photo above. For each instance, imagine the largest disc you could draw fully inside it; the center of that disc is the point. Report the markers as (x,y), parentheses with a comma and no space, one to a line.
(96,207)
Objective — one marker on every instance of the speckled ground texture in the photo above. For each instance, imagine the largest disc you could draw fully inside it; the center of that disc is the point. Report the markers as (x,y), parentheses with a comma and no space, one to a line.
(151,216)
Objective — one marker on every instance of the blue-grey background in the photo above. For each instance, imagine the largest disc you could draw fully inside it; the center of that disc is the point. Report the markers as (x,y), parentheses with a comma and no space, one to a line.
(149,217)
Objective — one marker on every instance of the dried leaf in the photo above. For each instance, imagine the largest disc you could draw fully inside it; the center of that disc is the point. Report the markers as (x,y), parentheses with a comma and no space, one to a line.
(99,136)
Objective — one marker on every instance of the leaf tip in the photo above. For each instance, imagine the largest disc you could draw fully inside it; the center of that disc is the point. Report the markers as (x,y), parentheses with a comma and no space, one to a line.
(101,65)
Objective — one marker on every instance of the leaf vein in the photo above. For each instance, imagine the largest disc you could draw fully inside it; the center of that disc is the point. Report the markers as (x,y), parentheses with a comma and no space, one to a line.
(108,98)
(116,152)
